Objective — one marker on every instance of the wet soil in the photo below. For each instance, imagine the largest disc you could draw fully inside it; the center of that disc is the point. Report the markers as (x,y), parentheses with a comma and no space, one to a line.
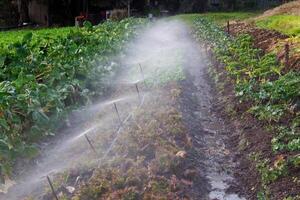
(208,131)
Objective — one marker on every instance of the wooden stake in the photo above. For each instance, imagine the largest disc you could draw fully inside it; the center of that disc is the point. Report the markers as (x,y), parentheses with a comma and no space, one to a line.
(228,27)
(52,188)
(287,54)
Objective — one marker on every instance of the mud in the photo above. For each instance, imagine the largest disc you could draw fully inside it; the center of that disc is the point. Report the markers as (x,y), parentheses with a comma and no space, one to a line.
(208,131)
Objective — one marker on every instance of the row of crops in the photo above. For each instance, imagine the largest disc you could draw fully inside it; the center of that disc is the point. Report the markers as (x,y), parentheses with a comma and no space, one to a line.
(274,96)
(45,76)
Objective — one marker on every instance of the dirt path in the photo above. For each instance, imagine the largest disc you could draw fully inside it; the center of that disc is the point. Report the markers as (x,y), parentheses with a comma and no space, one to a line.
(208,130)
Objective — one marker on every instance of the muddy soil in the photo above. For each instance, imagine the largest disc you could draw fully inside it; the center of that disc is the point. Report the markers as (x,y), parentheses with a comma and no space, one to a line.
(208,131)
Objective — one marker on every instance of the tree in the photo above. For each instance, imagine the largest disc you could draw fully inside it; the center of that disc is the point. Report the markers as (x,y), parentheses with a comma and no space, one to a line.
(188,6)
(128,4)
(23,11)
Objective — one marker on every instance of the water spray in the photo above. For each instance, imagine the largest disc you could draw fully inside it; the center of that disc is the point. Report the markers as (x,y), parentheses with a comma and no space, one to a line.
(52,188)
(118,114)
(142,73)
(90,144)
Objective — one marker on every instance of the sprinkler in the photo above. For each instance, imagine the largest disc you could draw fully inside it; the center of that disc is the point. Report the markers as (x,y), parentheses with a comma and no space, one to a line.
(138,91)
(90,143)
(118,114)
(52,188)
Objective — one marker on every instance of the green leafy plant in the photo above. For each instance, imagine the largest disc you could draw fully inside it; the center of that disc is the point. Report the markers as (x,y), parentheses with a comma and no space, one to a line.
(44,75)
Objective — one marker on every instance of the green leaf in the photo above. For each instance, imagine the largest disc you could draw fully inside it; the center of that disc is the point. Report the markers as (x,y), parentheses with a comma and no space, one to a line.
(27,37)
(88,25)
(2,60)
(30,152)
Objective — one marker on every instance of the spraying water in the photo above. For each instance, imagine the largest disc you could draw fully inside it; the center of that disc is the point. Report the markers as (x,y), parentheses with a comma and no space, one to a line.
(160,50)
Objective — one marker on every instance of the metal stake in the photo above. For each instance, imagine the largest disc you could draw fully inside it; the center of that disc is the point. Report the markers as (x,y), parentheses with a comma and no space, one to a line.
(287,54)
(52,188)
(118,114)
(90,143)
(138,91)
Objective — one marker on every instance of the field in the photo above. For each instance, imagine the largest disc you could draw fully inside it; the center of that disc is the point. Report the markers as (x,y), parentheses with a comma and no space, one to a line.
(135,109)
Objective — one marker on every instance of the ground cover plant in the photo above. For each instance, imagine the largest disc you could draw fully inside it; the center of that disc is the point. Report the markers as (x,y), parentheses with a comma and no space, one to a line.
(9,37)
(272,96)
(287,24)
(45,76)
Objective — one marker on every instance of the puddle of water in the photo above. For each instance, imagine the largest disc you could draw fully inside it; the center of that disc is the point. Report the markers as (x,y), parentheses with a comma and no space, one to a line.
(219,185)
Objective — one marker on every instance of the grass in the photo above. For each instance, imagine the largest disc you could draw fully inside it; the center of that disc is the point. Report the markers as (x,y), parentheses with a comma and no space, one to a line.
(219,18)
(287,24)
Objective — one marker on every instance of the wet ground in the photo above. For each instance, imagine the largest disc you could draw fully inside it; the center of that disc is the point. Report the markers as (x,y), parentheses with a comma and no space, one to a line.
(209,132)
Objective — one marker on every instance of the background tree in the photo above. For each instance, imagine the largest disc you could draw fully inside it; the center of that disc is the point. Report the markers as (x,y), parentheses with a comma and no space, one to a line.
(188,6)
(23,11)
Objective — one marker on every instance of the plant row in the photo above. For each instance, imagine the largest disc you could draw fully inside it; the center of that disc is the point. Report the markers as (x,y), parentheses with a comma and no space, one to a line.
(43,78)
(274,97)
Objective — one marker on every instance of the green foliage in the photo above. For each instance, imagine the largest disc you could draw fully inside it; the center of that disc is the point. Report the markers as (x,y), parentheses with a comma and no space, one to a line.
(287,24)
(259,81)
(217,17)
(43,77)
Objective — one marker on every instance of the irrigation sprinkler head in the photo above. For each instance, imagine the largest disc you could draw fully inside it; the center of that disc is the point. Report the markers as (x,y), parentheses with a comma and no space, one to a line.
(117,112)
(90,144)
(52,188)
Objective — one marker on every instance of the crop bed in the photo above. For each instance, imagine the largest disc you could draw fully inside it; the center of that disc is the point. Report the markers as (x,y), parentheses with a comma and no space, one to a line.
(271,41)
(46,74)
(269,95)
